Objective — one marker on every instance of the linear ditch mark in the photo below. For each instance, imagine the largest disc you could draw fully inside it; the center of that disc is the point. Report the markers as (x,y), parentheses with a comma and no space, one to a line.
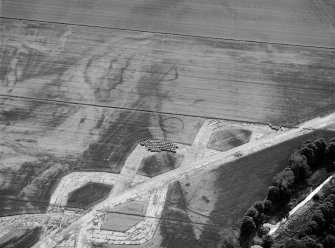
(163,218)
(172,34)
(139,110)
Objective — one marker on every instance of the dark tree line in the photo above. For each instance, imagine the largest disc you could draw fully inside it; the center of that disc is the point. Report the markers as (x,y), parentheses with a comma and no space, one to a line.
(253,219)
(319,231)
(310,157)
(302,163)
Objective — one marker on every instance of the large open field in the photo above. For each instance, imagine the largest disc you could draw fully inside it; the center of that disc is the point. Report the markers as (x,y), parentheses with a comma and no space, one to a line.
(304,22)
(181,75)
(41,142)
(81,98)
(82,82)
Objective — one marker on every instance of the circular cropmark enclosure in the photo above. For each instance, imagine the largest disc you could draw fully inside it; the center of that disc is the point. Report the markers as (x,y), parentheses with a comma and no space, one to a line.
(88,195)
(172,125)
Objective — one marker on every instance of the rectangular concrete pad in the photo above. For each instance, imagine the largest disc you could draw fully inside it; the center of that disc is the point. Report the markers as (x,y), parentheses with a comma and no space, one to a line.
(119,222)
(133,207)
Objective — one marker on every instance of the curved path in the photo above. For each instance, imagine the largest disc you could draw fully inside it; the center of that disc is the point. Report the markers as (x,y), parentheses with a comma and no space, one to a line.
(139,233)
(75,180)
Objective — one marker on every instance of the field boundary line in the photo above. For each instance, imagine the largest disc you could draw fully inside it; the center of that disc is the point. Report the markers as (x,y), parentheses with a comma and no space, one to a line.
(133,109)
(171,34)
(162,218)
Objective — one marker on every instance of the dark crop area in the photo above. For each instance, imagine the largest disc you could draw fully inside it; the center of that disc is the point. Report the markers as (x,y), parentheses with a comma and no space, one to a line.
(159,163)
(228,139)
(88,195)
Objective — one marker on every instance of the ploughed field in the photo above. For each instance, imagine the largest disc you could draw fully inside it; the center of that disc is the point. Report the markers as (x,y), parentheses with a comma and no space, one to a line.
(297,22)
(79,96)
(193,76)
